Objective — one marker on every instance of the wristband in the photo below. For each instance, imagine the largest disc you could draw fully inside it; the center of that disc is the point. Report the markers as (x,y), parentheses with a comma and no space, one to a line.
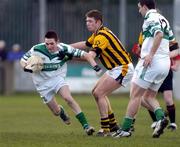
(97,68)
(174,46)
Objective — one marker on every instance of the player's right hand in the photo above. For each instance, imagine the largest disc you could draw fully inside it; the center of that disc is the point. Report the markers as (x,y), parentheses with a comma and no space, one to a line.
(98,70)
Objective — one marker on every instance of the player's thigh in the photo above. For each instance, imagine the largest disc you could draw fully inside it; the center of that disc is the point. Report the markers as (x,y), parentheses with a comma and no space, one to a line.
(64,91)
(101,79)
(106,85)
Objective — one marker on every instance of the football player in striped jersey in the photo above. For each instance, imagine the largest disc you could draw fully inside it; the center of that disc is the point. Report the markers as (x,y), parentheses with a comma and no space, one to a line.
(105,45)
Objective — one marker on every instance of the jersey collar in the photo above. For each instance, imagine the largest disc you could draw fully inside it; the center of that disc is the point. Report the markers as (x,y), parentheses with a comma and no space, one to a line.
(150,11)
(100,28)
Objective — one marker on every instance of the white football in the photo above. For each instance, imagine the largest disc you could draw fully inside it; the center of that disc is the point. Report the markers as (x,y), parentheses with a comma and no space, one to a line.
(35,63)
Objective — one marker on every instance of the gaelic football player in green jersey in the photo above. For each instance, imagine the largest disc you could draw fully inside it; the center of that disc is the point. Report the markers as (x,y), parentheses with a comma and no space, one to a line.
(51,78)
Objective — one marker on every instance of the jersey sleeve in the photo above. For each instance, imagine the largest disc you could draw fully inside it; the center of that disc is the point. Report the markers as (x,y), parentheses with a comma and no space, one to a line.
(100,43)
(153,26)
(67,49)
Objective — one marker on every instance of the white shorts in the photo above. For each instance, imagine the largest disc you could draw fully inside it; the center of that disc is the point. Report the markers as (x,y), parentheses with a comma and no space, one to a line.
(153,76)
(123,74)
(50,88)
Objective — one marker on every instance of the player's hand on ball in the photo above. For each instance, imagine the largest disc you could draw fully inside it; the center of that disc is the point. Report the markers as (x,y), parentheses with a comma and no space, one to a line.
(34,64)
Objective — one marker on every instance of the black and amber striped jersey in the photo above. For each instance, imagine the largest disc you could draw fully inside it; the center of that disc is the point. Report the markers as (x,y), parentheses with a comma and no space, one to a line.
(108,48)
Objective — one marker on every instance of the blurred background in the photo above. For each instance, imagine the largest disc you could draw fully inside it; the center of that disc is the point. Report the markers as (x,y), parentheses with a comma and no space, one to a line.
(23,24)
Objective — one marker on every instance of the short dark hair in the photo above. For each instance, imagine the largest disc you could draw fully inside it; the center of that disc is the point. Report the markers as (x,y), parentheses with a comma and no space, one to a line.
(96,14)
(52,34)
(151,4)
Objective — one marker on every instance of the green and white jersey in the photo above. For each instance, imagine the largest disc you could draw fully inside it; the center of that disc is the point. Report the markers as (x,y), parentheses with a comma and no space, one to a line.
(153,23)
(53,67)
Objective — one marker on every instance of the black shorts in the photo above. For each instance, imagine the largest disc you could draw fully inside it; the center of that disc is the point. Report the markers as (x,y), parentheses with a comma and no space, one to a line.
(168,83)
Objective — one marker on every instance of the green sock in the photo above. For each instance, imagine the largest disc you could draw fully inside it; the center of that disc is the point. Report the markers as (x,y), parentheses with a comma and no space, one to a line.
(159,113)
(82,119)
(127,122)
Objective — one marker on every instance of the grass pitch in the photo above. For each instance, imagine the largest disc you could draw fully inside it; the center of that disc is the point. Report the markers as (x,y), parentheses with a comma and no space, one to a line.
(26,122)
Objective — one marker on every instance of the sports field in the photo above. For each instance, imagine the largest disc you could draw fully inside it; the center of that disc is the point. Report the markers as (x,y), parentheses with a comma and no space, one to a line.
(26,122)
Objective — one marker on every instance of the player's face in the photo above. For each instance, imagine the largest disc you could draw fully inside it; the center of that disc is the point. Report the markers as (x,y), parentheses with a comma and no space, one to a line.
(141,9)
(51,44)
(91,24)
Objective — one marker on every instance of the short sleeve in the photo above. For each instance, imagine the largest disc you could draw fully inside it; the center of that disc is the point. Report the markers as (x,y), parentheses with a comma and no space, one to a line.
(154,26)
(100,42)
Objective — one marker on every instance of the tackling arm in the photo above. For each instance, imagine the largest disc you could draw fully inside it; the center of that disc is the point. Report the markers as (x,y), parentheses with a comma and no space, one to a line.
(90,58)
(80,45)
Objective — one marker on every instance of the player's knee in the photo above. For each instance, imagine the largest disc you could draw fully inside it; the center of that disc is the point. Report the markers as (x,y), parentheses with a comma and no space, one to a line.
(56,112)
(97,94)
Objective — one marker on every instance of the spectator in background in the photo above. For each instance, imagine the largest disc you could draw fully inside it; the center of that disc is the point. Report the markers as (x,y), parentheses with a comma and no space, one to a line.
(15,54)
(3,52)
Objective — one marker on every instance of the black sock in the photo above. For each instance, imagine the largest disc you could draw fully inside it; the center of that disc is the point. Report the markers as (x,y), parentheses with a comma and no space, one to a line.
(105,124)
(171,113)
(112,121)
(134,121)
(153,116)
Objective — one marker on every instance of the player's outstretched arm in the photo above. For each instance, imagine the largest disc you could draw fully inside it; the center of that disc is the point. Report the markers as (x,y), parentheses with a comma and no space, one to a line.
(80,45)
(90,57)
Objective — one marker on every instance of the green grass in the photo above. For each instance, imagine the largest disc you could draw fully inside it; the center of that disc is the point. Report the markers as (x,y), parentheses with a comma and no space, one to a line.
(26,122)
